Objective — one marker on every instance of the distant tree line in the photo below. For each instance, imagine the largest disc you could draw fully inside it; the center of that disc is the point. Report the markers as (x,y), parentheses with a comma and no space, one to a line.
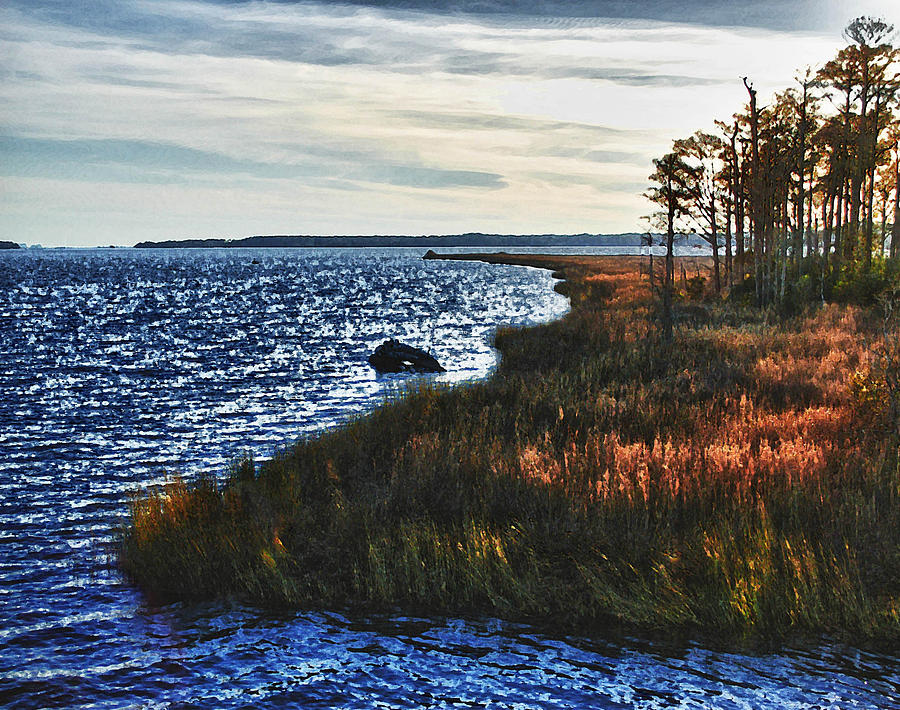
(798,198)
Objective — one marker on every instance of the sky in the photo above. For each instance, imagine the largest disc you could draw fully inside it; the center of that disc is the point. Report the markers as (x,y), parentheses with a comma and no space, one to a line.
(129,120)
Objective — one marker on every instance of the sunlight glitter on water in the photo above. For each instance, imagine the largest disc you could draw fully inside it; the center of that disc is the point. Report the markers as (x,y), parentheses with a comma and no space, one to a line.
(120,368)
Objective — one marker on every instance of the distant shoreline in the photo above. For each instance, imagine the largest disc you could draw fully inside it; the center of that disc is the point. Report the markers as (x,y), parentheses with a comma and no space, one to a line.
(472,239)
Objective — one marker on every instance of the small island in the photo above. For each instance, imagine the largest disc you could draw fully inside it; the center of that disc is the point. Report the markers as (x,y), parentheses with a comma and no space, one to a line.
(9,245)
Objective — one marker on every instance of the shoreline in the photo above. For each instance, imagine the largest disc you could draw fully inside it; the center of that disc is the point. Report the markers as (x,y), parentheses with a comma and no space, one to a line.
(590,482)
(470,240)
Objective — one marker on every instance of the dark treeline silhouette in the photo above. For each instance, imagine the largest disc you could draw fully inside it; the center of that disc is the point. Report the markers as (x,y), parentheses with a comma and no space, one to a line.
(471,239)
(798,198)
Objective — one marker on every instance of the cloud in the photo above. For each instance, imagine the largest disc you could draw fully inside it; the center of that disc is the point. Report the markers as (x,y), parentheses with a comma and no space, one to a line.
(479,121)
(372,117)
(149,162)
(820,15)
(599,183)
(427,178)
(40,156)
(330,36)
(770,14)
(616,156)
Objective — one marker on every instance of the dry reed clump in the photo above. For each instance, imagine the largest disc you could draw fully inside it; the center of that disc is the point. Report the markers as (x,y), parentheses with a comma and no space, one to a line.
(728,483)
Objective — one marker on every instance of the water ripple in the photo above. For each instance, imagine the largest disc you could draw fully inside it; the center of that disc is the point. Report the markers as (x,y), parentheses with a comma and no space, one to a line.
(121,368)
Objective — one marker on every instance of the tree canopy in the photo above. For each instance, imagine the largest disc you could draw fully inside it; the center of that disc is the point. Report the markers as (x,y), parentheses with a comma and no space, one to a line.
(802,194)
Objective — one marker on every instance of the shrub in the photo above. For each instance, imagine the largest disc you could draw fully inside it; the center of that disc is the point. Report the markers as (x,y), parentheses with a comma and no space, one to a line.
(856,285)
(695,287)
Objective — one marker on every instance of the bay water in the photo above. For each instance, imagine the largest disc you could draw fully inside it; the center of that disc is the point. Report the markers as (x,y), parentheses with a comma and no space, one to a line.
(121,368)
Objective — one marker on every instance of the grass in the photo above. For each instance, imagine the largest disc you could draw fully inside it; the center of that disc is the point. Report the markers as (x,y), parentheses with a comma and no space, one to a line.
(742,481)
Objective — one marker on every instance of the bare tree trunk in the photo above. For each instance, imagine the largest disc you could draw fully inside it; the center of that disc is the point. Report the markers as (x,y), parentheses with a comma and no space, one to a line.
(801,171)
(870,218)
(729,266)
(769,251)
(740,214)
(812,236)
(857,176)
(867,153)
(755,215)
(785,227)
(895,229)
(670,267)
(715,244)
(736,203)
(839,246)
(855,205)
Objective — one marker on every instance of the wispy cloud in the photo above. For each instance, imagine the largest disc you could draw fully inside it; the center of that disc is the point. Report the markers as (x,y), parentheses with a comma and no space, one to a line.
(317,117)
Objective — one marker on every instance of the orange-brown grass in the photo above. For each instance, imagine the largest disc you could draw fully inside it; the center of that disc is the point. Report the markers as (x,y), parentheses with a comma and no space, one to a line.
(734,481)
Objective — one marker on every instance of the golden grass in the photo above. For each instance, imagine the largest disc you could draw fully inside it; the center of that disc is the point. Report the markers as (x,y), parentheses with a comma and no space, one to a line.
(739,481)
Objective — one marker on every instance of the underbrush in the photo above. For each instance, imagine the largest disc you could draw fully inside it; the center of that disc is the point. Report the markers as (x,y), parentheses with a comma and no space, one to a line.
(735,481)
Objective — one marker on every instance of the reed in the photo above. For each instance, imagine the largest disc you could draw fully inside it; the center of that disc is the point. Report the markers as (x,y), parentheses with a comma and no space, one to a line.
(741,481)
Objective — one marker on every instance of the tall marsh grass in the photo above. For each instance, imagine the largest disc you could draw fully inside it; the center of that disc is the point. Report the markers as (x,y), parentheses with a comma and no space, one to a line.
(736,482)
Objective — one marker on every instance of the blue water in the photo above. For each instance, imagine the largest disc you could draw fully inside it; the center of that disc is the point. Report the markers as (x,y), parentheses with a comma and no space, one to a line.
(120,368)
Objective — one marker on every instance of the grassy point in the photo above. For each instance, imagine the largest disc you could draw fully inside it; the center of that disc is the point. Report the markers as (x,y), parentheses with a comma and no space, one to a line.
(741,481)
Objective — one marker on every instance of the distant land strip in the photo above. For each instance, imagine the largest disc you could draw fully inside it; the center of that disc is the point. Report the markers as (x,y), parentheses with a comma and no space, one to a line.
(473,239)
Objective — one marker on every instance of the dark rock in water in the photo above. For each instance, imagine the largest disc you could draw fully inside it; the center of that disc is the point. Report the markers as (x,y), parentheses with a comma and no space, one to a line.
(394,356)
(255,261)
